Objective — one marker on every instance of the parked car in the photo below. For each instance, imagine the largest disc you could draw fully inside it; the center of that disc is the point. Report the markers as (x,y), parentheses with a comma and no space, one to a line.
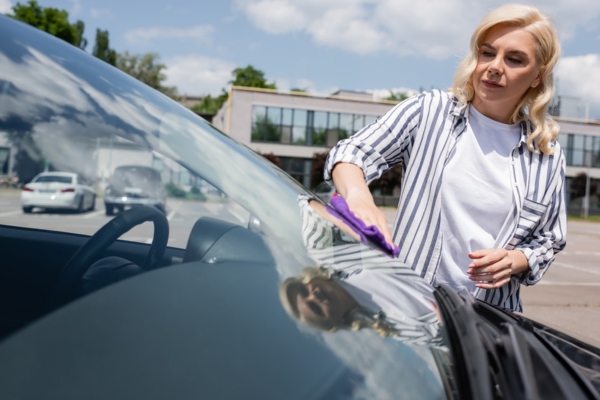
(134,185)
(58,190)
(325,191)
(232,312)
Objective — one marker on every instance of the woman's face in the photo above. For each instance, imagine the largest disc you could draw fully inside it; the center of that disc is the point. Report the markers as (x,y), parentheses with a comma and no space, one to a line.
(506,68)
(323,300)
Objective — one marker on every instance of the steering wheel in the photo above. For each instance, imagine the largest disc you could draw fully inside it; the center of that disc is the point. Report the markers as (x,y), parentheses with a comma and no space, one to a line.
(77,266)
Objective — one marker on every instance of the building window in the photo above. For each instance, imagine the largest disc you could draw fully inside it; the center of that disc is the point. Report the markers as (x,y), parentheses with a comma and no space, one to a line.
(304,127)
(575,146)
(298,168)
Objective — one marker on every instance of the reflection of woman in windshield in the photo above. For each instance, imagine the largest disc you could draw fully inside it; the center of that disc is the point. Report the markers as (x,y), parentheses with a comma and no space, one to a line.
(384,302)
(355,287)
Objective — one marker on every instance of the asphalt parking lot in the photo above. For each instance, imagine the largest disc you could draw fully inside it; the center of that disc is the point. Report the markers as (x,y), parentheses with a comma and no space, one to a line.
(182,214)
(568,297)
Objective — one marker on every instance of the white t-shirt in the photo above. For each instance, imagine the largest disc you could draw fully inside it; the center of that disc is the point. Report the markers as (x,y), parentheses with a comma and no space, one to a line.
(476,195)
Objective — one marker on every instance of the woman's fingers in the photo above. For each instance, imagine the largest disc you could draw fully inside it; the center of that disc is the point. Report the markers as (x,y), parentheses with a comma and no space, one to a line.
(491,268)
(367,211)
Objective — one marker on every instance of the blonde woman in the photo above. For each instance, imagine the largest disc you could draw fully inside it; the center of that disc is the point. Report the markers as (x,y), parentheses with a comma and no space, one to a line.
(482,203)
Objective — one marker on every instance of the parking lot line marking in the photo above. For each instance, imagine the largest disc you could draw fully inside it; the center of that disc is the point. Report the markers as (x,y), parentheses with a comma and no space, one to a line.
(542,282)
(587,253)
(94,214)
(9,213)
(573,267)
(173,211)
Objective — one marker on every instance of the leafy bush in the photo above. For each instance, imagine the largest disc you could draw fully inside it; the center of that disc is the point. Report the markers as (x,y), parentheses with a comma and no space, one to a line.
(196,196)
(174,190)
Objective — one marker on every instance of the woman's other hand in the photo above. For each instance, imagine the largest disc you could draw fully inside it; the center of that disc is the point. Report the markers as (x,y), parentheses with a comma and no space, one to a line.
(350,183)
(492,268)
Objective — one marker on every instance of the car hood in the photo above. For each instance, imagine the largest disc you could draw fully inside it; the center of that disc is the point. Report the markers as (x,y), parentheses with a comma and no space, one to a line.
(205,331)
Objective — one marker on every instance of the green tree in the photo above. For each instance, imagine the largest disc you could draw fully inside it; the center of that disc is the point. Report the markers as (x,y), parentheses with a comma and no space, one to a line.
(317,167)
(273,158)
(397,96)
(51,20)
(147,69)
(388,181)
(209,104)
(102,49)
(250,77)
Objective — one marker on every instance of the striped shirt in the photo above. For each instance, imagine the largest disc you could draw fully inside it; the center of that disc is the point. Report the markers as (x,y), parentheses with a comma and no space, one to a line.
(411,318)
(419,134)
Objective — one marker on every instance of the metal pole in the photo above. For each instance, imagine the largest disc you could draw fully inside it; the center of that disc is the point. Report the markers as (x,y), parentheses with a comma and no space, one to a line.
(586,201)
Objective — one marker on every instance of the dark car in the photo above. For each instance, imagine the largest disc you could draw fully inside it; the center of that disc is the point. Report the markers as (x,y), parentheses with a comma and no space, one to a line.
(134,185)
(259,294)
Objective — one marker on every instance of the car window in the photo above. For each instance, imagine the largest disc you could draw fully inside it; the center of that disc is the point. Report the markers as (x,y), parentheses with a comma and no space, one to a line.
(323,188)
(125,175)
(53,178)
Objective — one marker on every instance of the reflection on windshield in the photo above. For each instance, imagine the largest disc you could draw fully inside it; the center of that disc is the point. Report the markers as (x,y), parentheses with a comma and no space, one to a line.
(355,287)
(362,295)
(59,107)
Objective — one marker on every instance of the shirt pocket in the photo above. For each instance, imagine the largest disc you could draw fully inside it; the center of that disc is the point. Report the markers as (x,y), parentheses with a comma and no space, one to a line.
(529,217)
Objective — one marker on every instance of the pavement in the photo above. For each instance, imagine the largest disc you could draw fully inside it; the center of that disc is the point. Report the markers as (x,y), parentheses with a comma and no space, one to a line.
(568,297)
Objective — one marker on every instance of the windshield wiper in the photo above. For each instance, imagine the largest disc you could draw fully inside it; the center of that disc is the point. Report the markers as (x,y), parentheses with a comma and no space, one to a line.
(468,351)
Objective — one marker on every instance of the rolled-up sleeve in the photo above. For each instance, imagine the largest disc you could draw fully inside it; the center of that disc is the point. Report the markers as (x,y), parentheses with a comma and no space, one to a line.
(380,145)
(549,237)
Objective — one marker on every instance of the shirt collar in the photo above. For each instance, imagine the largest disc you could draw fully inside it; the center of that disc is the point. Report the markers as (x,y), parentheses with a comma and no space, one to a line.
(461,110)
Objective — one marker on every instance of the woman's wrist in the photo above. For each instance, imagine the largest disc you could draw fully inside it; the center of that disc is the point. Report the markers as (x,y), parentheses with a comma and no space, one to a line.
(520,263)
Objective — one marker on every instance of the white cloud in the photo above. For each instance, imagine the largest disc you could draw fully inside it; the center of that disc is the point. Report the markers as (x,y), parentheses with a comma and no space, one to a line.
(580,77)
(100,12)
(198,75)
(435,28)
(5,6)
(76,8)
(198,33)
(381,94)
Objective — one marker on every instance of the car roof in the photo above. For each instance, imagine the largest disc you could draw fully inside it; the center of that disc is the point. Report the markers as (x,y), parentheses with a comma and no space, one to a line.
(72,174)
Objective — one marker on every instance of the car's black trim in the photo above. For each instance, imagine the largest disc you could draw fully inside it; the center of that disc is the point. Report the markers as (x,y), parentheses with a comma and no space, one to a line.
(469,354)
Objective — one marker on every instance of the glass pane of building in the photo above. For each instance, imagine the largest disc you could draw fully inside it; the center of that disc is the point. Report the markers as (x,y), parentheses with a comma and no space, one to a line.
(346,126)
(286,134)
(286,116)
(596,151)
(359,123)
(334,120)
(274,114)
(300,117)
(299,135)
(319,132)
(369,119)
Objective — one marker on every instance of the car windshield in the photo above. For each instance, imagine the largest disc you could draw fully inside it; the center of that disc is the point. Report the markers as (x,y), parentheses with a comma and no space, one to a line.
(64,110)
(53,178)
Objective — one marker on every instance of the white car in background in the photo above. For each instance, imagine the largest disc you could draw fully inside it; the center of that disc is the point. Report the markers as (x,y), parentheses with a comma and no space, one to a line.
(58,190)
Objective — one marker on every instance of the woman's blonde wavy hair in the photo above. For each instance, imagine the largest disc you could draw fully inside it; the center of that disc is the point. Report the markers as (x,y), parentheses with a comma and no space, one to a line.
(534,103)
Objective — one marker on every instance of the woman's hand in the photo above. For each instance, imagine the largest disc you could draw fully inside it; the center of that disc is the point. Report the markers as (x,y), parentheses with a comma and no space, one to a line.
(492,268)
(363,206)
(349,182)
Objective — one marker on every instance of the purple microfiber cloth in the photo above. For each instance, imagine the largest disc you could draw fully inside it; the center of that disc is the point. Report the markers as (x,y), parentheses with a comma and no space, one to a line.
(369,235)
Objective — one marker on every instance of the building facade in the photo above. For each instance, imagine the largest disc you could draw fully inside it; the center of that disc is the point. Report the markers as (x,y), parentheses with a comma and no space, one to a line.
(295,126)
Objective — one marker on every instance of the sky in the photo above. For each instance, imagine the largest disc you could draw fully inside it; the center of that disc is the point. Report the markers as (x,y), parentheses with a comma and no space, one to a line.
(326,45)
